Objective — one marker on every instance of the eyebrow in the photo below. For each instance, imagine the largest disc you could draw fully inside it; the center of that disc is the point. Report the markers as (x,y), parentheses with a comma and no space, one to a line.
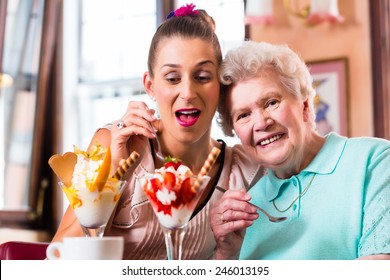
(172,65)
(205,62)
(261,100)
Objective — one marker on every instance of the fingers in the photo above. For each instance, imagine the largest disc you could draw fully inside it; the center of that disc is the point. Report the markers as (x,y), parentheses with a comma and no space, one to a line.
(224,230)
(136,121)
(233,212)
(230,217)
(231,221)
(240,194)
(133,125)
(140,109)
(237,217)
(235,204)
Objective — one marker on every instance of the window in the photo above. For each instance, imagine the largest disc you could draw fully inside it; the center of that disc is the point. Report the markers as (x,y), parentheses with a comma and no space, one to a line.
(229,18)
(105,51)
(26,110)
(110,40)
(115,39)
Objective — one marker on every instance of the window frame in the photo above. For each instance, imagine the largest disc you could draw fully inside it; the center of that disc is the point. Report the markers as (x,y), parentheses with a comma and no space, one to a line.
(39,198)
(380,50)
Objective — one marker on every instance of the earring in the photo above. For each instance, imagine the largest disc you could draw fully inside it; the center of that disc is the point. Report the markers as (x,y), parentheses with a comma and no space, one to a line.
(153,98)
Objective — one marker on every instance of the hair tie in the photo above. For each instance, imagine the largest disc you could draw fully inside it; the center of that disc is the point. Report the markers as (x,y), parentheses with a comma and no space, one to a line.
(186,10)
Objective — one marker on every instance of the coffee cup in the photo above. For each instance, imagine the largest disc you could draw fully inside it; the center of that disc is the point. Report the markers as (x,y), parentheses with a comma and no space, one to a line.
(86,248)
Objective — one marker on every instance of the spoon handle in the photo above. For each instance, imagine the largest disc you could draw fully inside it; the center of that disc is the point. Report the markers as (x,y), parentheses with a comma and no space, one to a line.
(159,153)
(270,217)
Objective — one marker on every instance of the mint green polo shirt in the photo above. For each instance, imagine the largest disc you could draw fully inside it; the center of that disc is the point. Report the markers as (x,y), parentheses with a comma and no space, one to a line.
(344,214)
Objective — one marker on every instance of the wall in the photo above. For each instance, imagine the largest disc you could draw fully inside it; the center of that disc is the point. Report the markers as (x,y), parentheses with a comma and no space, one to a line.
(349,39)
(8,234)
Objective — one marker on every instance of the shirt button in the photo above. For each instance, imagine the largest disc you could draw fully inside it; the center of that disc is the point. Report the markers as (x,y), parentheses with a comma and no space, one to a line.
(294,207)
(295,183)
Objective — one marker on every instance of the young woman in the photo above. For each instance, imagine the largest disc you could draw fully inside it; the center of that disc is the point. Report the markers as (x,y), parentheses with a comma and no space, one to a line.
(182,78)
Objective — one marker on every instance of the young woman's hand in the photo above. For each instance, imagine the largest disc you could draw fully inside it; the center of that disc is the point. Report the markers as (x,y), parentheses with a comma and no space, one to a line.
(137,120)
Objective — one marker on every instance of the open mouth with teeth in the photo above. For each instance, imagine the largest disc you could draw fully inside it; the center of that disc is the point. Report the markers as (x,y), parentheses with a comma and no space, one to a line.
(270,140)
(187,117)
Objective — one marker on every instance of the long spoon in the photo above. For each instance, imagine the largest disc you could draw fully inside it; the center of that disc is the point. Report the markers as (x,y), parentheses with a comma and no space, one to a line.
(270,217)
(159,153)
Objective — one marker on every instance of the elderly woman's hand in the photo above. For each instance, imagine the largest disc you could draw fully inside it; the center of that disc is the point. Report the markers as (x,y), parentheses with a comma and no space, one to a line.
(230,216)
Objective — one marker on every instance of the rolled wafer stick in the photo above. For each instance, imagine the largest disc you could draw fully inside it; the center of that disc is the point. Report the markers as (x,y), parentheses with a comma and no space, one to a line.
(208,164)
(124,165)
(211,159)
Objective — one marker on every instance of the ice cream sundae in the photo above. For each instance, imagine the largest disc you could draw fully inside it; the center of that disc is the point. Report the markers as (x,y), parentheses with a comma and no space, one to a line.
(85,180)
(174,191)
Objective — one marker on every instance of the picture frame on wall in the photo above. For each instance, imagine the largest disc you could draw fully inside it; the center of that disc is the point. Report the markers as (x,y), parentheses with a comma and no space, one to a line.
(330,80)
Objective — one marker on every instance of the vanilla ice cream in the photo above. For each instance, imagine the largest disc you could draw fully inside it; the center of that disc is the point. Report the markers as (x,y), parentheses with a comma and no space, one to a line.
(92,206)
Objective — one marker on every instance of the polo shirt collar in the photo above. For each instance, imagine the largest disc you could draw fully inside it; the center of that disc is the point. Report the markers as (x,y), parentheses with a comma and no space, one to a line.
(325,162)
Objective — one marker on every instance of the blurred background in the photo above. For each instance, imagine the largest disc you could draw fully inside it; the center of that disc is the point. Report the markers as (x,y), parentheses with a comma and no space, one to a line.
(69,67)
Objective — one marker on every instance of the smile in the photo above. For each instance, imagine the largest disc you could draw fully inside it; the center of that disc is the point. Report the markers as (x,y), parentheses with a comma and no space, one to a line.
(187,117)
(271,140)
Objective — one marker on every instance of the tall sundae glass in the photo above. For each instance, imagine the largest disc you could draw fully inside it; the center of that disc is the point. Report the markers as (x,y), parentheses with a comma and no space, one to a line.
(173,192)
(91,192)
(93,208)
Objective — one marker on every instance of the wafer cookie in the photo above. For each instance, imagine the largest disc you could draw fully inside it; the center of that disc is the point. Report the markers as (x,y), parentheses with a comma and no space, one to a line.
(208,164)
(124,165)
(211,159)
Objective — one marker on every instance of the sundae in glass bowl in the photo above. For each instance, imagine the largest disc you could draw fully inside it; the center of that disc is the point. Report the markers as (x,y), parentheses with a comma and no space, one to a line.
(173,192)
(91,191)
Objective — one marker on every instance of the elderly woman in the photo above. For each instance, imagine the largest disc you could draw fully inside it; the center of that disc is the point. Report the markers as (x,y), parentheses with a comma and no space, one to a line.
(334,191)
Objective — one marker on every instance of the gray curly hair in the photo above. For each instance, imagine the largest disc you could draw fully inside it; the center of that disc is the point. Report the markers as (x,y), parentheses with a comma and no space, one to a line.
(252,58)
